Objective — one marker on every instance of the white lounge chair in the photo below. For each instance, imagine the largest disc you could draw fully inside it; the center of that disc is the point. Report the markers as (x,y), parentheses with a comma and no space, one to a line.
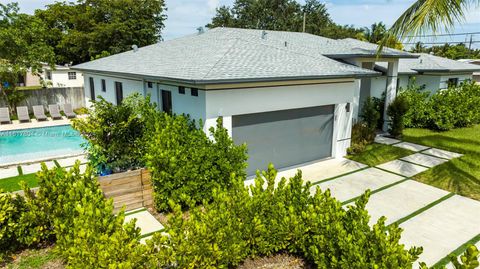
(5,115)
(54,112)
(39,113)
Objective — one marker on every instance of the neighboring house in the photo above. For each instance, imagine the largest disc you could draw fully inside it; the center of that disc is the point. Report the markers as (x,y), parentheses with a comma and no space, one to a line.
(433,72)
(476,75)
(59,77)
(292,97)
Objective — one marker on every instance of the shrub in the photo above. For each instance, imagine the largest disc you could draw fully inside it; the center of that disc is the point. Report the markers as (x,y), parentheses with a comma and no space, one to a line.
(187,165)
(380,107)
(420,111)
(370,114)
(362,136)
(264,220)
(116,134)
(396,111)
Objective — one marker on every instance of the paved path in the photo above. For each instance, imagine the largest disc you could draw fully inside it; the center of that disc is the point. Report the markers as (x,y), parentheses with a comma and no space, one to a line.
(35,167)
(147,223)
(436,219)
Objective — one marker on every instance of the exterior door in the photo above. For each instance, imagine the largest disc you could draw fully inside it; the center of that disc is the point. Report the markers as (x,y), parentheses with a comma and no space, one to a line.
(92,89)
(285,138)
(119,92)
(167,101)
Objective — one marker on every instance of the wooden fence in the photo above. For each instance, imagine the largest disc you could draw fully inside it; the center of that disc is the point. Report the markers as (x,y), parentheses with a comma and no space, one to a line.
(132,189)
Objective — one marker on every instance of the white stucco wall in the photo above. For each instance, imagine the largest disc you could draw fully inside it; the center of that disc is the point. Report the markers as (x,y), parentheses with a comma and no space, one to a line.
(227,103)
(461,78)
(60,78)
(129,86)
(186,103)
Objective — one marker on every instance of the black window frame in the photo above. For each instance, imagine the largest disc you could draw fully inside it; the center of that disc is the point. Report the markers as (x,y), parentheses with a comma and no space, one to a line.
(452,82)
(119,92)
(194,91)
(72,75)
(181,90)
(48,75)
(167,106)
(104,85)
(92,88)
(149,84)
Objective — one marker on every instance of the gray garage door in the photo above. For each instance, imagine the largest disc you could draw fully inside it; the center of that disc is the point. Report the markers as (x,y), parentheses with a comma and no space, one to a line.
(286,137)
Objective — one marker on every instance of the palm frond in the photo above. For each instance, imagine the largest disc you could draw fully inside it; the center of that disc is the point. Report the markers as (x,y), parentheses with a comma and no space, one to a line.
(428,16)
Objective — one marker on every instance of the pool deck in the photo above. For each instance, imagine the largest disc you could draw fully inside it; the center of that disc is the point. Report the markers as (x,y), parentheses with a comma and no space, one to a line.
(16,125)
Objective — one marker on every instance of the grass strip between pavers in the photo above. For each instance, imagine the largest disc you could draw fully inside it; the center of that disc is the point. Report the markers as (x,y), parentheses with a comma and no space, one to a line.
(414,163)
(135,211)
(457,252)
(151,233)
(342,175)
(423,209)
(385,170)
(377,190)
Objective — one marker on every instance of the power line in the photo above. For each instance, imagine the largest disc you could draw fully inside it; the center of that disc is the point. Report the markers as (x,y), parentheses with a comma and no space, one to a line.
(456,34)
(441,43)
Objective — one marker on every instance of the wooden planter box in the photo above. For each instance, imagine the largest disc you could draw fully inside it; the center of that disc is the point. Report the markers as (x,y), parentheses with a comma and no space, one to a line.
(132,189)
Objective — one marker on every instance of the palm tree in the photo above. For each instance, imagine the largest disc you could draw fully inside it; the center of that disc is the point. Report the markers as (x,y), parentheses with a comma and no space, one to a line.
(428,15)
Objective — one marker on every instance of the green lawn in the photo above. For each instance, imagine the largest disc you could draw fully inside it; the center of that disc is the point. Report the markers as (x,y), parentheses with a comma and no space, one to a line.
(376,154)
(36,258)
(12,183)
(460,175)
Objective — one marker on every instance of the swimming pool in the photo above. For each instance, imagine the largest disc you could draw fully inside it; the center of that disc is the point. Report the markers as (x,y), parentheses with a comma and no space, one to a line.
(35,144)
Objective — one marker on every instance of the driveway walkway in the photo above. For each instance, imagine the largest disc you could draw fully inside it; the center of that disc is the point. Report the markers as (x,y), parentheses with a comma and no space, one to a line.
(147,223)
(439,221)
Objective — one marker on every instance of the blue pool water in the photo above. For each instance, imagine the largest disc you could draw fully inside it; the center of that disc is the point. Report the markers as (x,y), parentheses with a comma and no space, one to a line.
(39,143)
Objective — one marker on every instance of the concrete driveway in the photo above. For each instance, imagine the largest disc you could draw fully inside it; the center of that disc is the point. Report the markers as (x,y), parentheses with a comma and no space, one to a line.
(437,220)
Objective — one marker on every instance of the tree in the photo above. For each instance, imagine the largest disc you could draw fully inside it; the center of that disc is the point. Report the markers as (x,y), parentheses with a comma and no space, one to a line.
(377,33)
(282,15)
(22,49)
(428,15)
(454,52)
(90,29)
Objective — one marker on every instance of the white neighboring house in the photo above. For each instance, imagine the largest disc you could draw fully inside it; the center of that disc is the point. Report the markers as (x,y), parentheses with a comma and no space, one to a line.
(62,77)
(292,97)
(476,75)
(433,72)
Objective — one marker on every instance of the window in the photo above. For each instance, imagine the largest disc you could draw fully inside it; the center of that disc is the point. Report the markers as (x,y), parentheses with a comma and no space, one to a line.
(104,86)
(452,82)
(92,89)
(119,92)
(181,90)
(72,75)
(167,101)
(149,84)
(49,75)
(194,91)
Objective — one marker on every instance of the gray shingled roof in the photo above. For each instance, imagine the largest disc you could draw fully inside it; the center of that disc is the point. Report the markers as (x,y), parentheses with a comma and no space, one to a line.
(229,55)
(430,63)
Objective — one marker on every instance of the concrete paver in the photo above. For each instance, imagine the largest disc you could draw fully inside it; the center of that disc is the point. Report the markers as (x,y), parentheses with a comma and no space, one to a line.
(411,146)
(8,172)
(402,200)
(402,168)
(353,185)
(443,228)
(425,160)
(67,162)
(443,153)
(145,221)
(318,170)
(386,140)
(35,167)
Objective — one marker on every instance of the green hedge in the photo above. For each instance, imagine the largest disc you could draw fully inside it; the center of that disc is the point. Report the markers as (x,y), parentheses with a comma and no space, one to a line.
(186,165)
(444,110)
(265,220)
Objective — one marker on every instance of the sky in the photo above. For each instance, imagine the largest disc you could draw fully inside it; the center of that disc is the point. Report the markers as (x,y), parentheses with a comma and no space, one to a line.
(185,16)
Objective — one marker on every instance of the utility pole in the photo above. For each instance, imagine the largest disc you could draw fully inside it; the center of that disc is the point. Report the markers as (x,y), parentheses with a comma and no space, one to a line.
(470,43)
(304,20)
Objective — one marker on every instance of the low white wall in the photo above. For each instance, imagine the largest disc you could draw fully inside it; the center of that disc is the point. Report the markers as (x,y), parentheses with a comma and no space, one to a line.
(227,103)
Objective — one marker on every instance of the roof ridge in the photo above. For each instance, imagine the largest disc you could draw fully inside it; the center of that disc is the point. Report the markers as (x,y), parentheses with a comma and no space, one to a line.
(221,58)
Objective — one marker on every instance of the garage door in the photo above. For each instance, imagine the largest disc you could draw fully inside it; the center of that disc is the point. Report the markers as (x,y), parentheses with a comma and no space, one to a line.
(286,137)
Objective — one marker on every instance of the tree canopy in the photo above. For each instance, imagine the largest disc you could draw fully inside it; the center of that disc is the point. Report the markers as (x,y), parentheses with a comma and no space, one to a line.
(376,33)
(89,29)
(454,52)
(281,15)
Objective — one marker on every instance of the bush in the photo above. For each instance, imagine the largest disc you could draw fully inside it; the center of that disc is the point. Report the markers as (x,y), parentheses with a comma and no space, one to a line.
(116,134)
(444,110)
(270,219)
(362,136)
(370,114)
(187,165)
(396,111)
(380,107)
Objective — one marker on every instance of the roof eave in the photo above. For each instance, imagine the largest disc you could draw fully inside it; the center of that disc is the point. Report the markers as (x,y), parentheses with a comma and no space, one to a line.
(376,56)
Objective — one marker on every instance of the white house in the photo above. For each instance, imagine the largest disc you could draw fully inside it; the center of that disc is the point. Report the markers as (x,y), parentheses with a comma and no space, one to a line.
(432,72)
(291,97)
(59,77)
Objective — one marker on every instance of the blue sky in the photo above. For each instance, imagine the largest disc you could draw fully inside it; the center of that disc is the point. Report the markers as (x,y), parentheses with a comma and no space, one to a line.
(184,16)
